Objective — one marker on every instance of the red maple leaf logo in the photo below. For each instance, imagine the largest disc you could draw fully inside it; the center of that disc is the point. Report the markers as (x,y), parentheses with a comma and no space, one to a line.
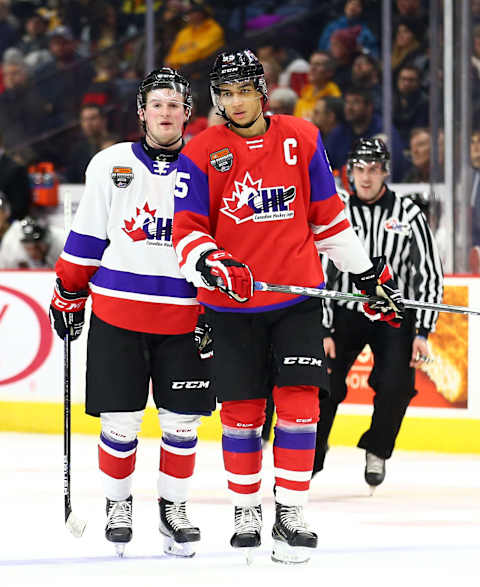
(240,205)
(136,228)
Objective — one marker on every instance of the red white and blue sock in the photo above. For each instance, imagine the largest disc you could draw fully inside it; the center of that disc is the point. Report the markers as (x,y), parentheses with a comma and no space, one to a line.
(116,461)
(293,455)
(242,457)
(177,463)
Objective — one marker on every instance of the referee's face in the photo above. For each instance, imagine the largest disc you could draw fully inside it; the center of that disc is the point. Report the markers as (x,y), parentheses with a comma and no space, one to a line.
(369,178)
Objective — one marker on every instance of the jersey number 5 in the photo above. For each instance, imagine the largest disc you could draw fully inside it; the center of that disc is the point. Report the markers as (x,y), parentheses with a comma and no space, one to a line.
(181,185)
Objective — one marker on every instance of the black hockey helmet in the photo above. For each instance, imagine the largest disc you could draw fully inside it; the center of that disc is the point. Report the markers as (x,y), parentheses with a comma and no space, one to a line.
(237,66)
(165,77)
(32,230)
(367,150)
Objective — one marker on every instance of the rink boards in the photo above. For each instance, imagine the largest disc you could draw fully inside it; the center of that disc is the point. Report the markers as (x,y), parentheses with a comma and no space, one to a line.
(444,416)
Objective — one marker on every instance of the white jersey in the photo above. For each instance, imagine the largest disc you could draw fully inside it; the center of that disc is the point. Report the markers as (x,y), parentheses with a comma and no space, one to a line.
(14,256)
(120,244)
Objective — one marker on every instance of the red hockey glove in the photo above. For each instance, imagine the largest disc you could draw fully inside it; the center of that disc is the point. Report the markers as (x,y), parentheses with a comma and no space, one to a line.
(67,311)
(378,282)
(219,269)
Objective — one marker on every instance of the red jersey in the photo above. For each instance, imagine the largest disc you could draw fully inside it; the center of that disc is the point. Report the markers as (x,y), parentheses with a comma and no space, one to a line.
(268,200)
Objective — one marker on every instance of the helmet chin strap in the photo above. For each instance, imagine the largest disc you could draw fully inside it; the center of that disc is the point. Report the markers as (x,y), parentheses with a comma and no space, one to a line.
(163,145)
(248,125)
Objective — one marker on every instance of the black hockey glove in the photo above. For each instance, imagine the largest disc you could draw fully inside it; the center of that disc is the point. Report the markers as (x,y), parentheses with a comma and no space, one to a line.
(67,311)
(219,269)
(203,338)
(378,281)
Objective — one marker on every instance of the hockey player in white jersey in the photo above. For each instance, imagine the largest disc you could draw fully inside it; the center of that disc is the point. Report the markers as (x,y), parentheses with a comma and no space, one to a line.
(143,312)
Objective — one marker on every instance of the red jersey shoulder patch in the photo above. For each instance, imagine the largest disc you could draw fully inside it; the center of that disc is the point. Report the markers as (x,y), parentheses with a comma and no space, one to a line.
(222,160)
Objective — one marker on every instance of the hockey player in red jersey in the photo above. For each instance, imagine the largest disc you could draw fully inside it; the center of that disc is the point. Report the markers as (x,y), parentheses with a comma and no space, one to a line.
(257,198)
(144,312)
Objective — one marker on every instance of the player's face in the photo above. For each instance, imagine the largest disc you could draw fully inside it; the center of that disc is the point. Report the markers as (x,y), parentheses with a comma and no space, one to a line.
(164,115)
(368,178)
(241,101)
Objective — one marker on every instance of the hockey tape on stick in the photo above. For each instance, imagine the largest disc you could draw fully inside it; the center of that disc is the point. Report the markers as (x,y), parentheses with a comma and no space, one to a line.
(353,297)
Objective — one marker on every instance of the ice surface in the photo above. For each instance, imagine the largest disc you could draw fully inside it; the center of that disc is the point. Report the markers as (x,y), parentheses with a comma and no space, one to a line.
(421,527)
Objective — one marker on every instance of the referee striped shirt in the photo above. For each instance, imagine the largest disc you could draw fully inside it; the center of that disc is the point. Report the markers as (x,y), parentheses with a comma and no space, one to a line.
(397,228)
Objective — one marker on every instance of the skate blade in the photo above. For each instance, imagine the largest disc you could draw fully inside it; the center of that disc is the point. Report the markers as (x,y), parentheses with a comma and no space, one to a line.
(290,555)
(120,549)
(250,554)
(179,549)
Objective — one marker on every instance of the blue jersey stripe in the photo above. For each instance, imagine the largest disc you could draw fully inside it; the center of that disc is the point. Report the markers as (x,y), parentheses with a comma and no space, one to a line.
(144,284)
(85,246)
(321,178)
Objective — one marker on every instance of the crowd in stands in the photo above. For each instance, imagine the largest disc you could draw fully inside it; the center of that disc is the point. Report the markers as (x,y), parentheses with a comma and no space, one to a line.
(69,71)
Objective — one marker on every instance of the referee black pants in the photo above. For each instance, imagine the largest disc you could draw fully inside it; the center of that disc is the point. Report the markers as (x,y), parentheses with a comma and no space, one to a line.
(391,378)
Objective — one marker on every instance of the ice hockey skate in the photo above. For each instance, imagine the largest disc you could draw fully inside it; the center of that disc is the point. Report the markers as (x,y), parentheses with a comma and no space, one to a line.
(248,526)
(119,523)
(177,529)
(374,470)
(292,540)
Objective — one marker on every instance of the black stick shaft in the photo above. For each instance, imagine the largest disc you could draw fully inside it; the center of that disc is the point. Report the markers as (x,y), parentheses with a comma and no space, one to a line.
(66,425)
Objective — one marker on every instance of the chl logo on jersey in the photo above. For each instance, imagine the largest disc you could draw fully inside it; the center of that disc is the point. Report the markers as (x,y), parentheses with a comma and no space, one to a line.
(394,225)
(222,160)
(251,201)
(122,176)
(146,226)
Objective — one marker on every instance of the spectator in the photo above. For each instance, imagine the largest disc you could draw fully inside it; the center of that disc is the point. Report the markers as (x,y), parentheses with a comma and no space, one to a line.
(412,10)
(272,72)
(282,101)
(93,124)
(15,184)
(214,117)
(8,27)
(366,74)
(352,17)
(327,115)
(475,202)
(420,154)
(103,28)
(294,68)
(34,43)
(360,121)
(169,23)
(4,215)
(102,89)
(406,46)
(344,49)
(199,39)
(320,76)
(22,110)
(476,12)
(410,103)
(196,123)
(476,66)
(30,244)
(61,80)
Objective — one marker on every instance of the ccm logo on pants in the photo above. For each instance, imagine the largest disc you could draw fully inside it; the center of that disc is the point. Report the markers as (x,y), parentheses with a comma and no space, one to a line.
(302,361)
(190,384)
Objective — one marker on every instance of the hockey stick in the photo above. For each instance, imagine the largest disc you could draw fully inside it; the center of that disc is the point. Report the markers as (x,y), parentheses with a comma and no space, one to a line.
(353,297)
(75,525)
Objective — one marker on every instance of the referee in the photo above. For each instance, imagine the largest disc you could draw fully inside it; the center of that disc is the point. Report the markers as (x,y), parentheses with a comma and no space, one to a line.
(397,229)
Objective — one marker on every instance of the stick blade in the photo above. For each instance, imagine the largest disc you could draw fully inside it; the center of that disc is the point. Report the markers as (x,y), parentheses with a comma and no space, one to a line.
(75,525)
